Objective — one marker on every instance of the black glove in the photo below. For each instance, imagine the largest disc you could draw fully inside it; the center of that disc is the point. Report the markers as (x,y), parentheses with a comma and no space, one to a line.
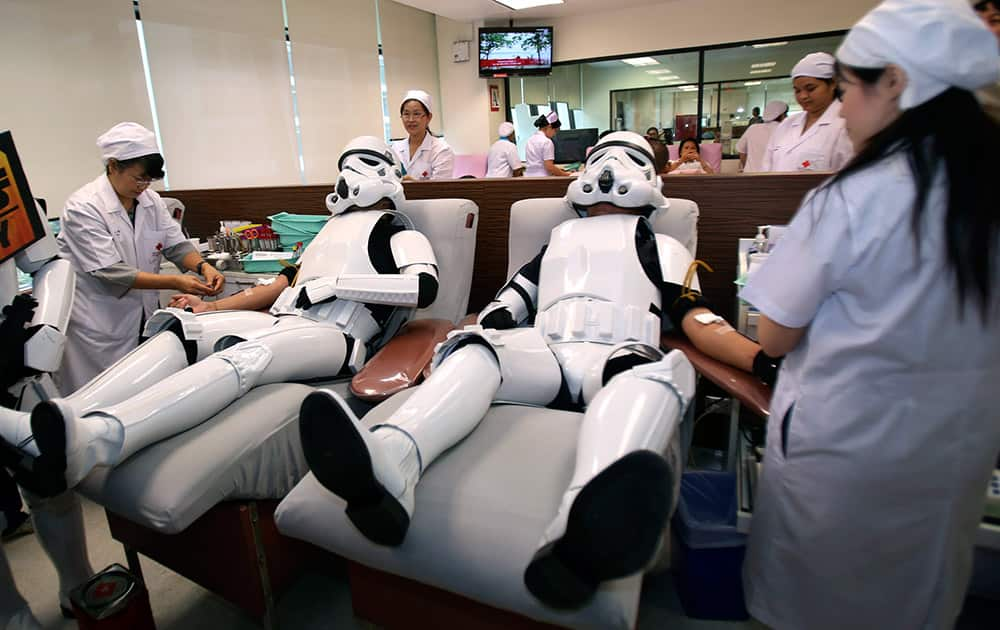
(13,335)
(500,319)
(766,367)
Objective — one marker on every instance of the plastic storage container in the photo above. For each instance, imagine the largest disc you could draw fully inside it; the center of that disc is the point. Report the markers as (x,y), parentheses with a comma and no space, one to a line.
(707,562)
(310,223)
(266,262)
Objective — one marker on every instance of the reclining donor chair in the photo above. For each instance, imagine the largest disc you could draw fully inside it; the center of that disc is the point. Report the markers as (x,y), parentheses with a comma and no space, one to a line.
(202,502)
(483,504)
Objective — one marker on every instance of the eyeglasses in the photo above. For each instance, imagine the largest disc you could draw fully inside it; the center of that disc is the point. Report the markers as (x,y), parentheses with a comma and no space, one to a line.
(412,115)
(144,181)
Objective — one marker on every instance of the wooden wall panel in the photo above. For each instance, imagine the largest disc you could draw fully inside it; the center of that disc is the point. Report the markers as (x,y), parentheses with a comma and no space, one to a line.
(731,207)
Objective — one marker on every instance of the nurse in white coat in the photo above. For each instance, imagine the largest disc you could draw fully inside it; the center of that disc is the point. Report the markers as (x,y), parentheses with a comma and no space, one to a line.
(815,139)
(540,151)
(755,139)
(885,295)
(502,159)
(422,154)
(115,231)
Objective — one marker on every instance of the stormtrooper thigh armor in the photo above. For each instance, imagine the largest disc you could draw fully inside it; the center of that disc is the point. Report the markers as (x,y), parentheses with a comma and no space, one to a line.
(293,349)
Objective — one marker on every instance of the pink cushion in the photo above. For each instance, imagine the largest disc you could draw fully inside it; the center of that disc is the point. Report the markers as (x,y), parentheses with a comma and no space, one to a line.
(474,165)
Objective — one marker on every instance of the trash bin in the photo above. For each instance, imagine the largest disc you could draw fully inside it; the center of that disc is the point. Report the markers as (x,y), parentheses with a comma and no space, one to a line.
(707,562)
(114,599)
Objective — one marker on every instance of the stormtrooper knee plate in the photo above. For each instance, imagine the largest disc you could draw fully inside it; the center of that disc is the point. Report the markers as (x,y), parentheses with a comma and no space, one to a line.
(201,331)
(529,372)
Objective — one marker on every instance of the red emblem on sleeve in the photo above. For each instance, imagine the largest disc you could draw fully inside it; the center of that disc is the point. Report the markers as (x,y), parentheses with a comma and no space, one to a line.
(806,164)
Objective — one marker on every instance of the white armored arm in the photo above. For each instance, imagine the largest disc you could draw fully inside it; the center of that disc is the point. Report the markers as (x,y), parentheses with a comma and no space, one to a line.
(54,283)
(517,301)
(415,286)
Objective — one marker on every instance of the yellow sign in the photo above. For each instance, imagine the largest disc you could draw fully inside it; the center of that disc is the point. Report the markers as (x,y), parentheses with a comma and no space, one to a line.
(20,225)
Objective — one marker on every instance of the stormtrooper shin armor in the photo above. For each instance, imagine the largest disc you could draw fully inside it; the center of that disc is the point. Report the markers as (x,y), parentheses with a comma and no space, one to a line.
(362,277)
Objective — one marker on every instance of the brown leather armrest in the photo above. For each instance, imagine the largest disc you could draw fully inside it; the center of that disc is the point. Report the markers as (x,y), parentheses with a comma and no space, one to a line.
(401,362)
(742,386)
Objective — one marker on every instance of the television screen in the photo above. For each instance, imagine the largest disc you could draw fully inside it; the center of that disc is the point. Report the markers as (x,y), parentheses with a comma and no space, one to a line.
(572,144)
(515,51)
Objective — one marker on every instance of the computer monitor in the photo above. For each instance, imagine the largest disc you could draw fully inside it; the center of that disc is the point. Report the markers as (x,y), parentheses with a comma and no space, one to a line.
(572,144)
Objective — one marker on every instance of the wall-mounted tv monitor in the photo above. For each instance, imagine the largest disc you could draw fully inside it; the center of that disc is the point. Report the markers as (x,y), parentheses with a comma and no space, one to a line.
(516,51)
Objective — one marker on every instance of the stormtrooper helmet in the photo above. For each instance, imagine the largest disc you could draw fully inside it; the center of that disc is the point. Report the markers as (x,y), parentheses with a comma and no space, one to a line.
(368,174)
(620,170)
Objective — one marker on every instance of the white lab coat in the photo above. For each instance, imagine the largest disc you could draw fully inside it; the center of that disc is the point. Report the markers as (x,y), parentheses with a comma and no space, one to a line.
(502,159)
(883,428)
(754,143)
(434,158)
(97,233)
(824,147)
(537,149)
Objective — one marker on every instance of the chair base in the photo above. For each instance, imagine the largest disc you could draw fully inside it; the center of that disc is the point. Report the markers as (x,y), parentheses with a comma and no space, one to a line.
(392,602)
(234,550)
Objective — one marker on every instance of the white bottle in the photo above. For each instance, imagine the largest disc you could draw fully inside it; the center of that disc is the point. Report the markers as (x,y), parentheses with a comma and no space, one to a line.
(759,242)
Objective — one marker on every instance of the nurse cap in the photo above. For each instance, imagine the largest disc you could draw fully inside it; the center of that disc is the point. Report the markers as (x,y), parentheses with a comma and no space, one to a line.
(818,65)
(418,95)
(125,141)
(938,43)
(774,109)
(552,118)
(505,129)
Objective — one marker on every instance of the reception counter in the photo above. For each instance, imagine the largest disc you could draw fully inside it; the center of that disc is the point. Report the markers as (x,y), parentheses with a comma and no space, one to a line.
(731,207)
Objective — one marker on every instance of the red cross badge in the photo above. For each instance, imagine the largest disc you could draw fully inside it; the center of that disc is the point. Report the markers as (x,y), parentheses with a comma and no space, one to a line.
(425,174)
(159,246)
(806,164)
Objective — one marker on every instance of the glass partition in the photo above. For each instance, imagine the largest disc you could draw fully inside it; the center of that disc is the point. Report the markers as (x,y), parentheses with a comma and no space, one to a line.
(669,90)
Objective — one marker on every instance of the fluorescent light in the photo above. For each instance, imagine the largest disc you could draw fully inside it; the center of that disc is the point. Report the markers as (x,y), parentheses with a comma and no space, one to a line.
(688,88)
(517,5)
(740,110)
(641,61)
(766,64)
(752,83)
(770,45)
(668,78)
(761,71)
(663,71)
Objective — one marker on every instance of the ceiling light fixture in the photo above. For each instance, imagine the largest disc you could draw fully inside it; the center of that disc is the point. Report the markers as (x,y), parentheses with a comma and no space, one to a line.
(517,5)
(752,83)
(766,64)
(641,61)
(770,45)
(760,71)
(663,71)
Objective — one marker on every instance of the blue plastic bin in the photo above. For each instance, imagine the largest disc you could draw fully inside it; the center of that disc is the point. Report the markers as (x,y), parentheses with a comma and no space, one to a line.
(708,555)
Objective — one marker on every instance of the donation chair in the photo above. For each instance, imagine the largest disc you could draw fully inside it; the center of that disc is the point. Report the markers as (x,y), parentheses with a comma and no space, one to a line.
(481,507)
(202,502)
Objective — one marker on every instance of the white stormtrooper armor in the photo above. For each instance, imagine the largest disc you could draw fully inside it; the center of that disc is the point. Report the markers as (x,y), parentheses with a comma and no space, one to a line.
(363,275)
(33,340)
(589,307)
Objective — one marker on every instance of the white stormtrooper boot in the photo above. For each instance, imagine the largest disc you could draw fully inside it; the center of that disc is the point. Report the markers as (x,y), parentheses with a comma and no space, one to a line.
(376,471)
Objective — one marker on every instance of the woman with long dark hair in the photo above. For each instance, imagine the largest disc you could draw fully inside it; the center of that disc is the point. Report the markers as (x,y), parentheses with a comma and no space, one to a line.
(885,296)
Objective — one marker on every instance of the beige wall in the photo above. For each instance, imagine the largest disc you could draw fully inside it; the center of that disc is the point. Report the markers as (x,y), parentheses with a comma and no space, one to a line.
(465,101)
(72,71)
(687,23)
